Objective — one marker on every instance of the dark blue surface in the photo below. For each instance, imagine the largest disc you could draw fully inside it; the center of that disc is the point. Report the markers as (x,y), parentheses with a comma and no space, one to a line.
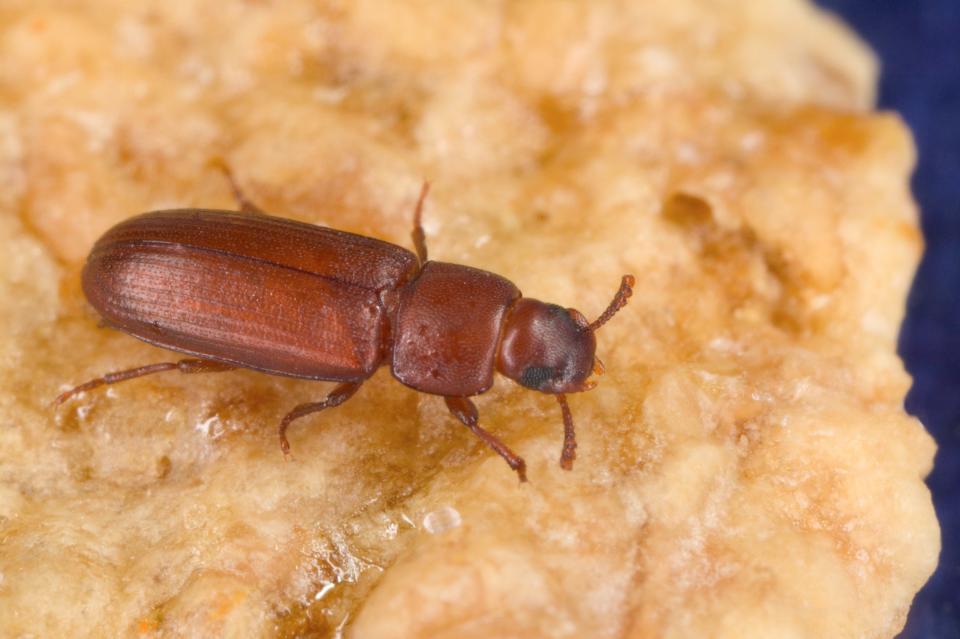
(919,45)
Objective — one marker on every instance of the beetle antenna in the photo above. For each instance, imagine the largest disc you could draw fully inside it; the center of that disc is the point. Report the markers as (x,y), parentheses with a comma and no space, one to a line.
(619,301)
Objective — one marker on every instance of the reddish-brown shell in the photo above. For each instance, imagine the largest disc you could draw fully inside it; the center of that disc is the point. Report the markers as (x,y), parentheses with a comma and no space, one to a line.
(260,292)
(447,329)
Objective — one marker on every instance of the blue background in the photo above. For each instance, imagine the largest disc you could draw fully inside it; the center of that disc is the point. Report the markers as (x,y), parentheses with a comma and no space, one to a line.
(918,42)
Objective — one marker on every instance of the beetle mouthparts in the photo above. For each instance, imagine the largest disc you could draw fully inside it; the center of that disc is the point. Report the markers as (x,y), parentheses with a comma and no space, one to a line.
(598,367)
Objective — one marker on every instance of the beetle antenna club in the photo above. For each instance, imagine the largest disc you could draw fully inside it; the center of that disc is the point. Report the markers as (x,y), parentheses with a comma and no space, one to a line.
(619,301)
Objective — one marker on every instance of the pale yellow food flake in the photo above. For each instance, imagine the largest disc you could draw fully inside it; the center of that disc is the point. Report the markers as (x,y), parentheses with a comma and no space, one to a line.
(745,467)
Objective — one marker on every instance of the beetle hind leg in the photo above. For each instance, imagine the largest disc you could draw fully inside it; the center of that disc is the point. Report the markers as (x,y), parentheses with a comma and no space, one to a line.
(465,410)
(184,366)
(246,205)
(337,396)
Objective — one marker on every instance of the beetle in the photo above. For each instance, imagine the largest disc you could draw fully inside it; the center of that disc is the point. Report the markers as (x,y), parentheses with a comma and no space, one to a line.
(243,289)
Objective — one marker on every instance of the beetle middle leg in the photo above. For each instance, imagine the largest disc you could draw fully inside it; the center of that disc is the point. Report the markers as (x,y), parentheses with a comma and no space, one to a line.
(419,238)
(337,396)
(184,366)
(465,410)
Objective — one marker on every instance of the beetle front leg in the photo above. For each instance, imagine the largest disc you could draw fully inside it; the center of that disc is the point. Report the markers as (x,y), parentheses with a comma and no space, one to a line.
(184,366)
(465,410)
(569,452)
(337,396)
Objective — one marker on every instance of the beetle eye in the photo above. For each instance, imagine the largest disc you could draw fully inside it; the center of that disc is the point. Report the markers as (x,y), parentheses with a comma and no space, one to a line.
(536,376)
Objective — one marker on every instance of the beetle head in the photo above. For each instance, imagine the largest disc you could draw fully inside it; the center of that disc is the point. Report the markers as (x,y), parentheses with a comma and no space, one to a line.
(553,349)
(546,347)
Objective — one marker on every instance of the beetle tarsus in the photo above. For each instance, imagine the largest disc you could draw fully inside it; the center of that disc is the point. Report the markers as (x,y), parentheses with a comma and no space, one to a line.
(337,396)
(465,410)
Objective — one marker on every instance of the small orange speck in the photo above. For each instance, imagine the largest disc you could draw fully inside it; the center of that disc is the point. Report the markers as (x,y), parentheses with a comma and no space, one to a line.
(146,625)
(226,602)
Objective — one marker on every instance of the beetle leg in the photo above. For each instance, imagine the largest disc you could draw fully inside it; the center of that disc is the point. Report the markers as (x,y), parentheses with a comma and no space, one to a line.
(246,205)
(465,410)
(419,238)
(184,366)
(337,396)
(569,435)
